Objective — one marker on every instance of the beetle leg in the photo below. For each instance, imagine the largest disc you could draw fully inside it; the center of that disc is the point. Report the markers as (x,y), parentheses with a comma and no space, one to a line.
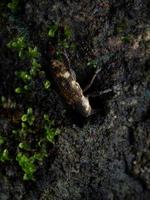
(92,80)
(96,94)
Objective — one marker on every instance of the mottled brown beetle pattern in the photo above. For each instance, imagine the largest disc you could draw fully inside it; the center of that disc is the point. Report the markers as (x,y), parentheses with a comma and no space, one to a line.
(70,88)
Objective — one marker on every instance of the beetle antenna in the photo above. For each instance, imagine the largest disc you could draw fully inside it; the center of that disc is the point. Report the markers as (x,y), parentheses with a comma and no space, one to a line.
(96,94)
(92,80)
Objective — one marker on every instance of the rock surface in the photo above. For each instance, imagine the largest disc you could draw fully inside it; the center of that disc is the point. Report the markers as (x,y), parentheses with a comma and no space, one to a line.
(106,156)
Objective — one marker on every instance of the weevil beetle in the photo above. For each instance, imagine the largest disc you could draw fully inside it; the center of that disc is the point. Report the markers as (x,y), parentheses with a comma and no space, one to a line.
(70,88)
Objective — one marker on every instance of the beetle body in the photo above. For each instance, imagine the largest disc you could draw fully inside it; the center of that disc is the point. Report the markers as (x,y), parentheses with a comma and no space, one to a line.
(70,88)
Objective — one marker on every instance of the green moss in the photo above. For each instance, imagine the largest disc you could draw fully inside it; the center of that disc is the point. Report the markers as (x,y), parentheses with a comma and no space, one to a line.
(31,140)
(31,55)
(32,134)
(63,36)
(23,75)
(19,45)
(28,117)
(27,165)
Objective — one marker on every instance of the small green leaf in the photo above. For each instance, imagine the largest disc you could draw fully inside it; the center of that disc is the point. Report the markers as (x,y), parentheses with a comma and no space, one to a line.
(50,136)
(21,54)
(46,117)
(33,53)
(52,30)
(23,75)
(18,43)
(29,111)
(26,87)
(14,131)
(31,120)
(35,64)
(68,32)
(47,84)
(24,118)
(18,90)
(23,145)
(31,117)
(4,155)
(23,125)
(27,165)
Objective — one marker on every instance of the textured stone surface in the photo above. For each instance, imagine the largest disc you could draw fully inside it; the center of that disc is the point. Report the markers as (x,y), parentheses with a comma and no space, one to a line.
(106,156)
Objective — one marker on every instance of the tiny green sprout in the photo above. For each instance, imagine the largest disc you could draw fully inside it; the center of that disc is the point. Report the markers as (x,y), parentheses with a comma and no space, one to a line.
(27,165)
(24,118)
(14,131)
(33,72)
(92,63)
(21,54)
(18,90)
(35,67)
(23,125)
(52,31)
(47,120)
(47,84)
(46,117)
(50,132)
(26,87)
(29,111)
(4,155)
(33,52)
(23,75)
(28,117)
(19,43)
(24,146)
(68,32)
(35,64)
